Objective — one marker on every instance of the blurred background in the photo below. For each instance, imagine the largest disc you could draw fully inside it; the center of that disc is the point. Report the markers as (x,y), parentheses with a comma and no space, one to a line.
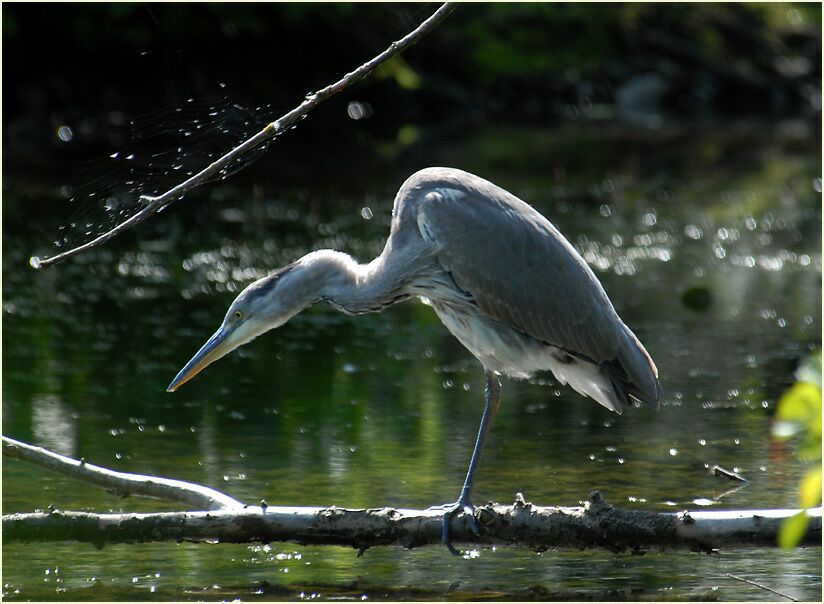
(677,146)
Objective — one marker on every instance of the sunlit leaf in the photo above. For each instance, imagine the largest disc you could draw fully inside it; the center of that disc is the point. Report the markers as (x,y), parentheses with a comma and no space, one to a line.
(792,530)
(811,488)
(801,403)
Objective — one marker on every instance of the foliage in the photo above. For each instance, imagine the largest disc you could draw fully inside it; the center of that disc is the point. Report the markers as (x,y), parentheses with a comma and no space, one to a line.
(521,58)
(799,413)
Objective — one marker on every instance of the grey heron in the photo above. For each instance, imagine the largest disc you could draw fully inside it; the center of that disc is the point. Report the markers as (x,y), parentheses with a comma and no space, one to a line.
(500,277)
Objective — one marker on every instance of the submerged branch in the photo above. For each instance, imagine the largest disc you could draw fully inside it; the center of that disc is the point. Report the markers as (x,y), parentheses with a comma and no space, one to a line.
(121,483)
(760,586)
(272,130)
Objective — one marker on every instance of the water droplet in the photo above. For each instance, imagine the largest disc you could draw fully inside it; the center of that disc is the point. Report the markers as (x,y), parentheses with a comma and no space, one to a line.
(673,451)
(366,213)
(358,111)
(35,262)
(65,134)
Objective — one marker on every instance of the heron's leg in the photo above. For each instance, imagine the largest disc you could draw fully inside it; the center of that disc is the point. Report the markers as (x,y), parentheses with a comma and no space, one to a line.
(493,402)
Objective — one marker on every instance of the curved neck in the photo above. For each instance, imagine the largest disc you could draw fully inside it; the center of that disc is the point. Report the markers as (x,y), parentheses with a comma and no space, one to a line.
(351,287)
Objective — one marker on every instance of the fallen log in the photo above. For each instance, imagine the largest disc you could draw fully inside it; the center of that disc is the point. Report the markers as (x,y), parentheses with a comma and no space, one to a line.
(595,524)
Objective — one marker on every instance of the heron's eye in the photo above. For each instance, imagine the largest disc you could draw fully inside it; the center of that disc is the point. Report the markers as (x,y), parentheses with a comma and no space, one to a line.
(238,315)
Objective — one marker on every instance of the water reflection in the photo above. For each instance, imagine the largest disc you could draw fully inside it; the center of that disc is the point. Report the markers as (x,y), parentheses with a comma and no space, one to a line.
(383,409)
(54,425)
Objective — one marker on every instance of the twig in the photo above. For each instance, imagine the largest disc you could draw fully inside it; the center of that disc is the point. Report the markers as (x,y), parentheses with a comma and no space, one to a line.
(719,471)
(197,496)
(764,587)
(272,130)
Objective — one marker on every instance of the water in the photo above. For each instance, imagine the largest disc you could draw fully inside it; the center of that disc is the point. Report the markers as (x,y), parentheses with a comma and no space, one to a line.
(707,241)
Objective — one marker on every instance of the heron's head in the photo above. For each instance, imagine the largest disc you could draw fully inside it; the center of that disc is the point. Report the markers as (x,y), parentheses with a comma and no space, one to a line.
(265,304)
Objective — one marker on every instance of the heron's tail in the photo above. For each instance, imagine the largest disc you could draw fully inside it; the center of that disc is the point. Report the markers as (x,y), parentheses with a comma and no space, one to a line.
(633,374)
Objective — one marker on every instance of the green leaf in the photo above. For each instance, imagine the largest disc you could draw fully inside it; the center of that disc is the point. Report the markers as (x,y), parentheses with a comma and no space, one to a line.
(811,488)
(792,530)
(800,403)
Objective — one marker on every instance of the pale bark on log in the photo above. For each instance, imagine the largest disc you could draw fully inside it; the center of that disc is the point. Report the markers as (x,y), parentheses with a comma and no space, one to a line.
(596,524)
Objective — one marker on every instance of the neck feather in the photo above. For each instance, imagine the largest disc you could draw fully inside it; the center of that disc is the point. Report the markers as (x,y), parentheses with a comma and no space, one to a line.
(352,287)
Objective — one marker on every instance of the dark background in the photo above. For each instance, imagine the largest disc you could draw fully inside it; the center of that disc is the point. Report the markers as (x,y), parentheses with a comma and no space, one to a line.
(645,65)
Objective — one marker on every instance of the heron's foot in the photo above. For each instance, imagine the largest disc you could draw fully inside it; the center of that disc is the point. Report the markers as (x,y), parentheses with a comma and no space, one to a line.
(450,510)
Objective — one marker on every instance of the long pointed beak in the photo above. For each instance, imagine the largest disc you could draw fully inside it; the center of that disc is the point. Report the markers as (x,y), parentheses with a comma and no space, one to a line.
(217,346)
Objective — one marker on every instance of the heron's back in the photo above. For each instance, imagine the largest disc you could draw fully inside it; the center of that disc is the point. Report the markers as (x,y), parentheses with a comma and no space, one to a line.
(521,274)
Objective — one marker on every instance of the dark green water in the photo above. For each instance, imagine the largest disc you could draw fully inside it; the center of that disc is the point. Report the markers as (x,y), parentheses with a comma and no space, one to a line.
(383,409)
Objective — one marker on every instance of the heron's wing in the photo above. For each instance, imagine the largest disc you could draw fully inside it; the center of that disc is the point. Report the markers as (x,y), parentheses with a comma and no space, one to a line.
(522,272)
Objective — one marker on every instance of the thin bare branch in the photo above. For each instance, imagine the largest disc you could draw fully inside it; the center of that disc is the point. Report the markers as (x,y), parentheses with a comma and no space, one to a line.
(764,587)
(122,483)
(272,130)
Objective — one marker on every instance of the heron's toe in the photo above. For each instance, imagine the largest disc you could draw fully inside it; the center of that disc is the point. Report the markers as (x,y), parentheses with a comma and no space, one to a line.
(450,510)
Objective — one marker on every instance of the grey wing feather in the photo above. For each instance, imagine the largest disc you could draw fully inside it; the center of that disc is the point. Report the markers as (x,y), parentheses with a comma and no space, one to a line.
(522,272)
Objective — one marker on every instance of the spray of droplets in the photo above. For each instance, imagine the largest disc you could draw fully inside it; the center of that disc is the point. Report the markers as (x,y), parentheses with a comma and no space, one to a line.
(166,147)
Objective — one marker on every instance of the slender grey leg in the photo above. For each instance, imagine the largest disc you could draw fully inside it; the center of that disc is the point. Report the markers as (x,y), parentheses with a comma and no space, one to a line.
(493,403)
